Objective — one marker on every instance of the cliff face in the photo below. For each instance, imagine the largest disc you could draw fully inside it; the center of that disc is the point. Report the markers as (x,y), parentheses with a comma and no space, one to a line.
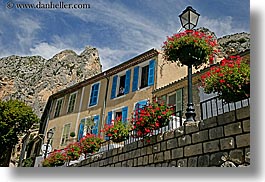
(33,79)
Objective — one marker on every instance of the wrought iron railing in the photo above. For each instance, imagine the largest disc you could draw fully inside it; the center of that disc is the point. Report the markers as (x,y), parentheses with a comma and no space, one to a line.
(214,107)
(175,121)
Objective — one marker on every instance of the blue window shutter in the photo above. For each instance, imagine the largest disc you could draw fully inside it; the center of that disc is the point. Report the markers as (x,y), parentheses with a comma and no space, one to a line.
(127,81)
(95,127)
(135,78)
(114,86)
(81,129)
(124,114)
(94,95)
(151,72)
(109,118)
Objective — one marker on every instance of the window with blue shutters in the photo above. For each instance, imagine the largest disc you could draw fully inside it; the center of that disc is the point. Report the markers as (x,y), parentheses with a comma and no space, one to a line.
(138,106)
(81,129)
(114,86)
(144,75)
(135,78)
(124,114)
(96,124)
(121,84)
(94,94)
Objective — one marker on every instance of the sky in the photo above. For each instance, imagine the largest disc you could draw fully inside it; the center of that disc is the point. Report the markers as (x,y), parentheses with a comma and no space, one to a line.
(119,29)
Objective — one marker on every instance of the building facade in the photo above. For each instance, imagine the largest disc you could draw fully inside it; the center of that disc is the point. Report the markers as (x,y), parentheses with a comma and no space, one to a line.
(116,93)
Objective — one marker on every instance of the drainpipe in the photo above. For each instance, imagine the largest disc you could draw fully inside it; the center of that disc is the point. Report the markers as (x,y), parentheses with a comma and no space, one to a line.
(105,102)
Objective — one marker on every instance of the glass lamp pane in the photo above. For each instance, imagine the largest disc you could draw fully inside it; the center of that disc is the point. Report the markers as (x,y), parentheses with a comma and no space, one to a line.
(184,18)
(193,18)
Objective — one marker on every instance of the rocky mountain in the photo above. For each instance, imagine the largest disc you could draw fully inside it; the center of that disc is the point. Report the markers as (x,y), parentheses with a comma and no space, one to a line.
(230,44)
(33,79)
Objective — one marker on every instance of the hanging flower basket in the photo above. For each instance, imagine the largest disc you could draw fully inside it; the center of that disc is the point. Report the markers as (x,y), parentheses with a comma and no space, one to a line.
(231,80)
(73,151)
(56,158)
(189,48)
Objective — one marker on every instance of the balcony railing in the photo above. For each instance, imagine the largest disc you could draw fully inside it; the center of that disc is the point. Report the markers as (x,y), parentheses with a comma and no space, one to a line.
(174,123)
(214,107)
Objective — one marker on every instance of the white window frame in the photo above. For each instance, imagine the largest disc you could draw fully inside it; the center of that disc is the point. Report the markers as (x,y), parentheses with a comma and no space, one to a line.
(140,74)
(63,134)
(57,100)
(74,93)
(123,73)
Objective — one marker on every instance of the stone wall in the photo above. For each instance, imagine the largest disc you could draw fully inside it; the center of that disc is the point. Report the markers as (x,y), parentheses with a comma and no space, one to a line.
(218,141)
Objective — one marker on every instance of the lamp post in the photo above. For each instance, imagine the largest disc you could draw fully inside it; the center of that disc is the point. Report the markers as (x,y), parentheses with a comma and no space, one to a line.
(189,19)
(49,137)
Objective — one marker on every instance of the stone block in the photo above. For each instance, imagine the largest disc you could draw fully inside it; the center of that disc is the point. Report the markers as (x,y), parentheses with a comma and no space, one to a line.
(135,164)
(172,163)
(227,143)
(145,160)
(115,159)
(169,135)
(163,146)
(192,150)
(130,163)
(164,164)
(167,155)
(149,149)
(140,161)
(184,140)
(191,127)
(143,151)
(203,161)
(192,161)
(208,123)
(121,157)
(243,140)
(246,125)
(151,159)
(226,118)
(179,131)
(177,153)
(243,113)
(159,137)
(182,163)
(172,143)
(156,148)
(233,129)
(114,151)
(124,164)
(237,156)
(217,132)
(216,158)
(153,139)
(117,164)
(247,155)
(158,157)
(211,146)
(200,136)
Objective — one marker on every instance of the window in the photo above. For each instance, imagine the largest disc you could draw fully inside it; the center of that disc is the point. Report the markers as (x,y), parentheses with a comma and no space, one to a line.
(175,100)
(121,84)
(118,113)
(65,135)
(53,129)
(88,125)
(71,103)
(94,94)
(58,107)
(143,75)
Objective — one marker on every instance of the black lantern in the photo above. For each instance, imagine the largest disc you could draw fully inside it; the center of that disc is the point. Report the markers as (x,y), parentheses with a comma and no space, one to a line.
(189,19)
(49,137)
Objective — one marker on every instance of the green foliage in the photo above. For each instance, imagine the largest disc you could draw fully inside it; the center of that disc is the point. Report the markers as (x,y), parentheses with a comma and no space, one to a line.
(90,143)
(189,45)
(231,80)
(28,162)
(72,134)
(15,119)
(117,131)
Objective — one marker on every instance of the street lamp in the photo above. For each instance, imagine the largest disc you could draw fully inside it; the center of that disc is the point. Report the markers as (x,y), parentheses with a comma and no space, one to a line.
(189,19)
(49,137)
